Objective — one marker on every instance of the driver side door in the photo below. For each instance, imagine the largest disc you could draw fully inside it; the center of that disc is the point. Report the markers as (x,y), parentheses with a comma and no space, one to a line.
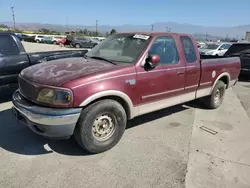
(160,87)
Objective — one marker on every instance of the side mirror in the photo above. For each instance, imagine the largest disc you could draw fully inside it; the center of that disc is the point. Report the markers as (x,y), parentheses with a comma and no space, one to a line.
(152,61)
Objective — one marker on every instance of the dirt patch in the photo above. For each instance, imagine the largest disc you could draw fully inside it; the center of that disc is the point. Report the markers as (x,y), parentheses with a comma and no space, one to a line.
(174,124)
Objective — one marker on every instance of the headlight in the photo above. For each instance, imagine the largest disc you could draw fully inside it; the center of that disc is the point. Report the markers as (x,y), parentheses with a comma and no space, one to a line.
(54,96)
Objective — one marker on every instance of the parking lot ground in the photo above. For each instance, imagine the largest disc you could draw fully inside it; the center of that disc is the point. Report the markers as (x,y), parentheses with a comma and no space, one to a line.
(221,159)
(162,149)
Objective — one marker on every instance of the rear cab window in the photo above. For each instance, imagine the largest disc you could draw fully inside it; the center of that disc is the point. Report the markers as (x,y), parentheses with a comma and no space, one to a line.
(8,46)
(189,49)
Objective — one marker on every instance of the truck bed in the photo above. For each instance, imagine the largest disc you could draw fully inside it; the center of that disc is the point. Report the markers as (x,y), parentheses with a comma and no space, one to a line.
(211,57)
(212,66)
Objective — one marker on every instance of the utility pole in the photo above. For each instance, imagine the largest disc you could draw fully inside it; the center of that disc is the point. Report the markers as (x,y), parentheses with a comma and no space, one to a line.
(96,25)
(206,36)
(67,23)
(13,16)
(152,27)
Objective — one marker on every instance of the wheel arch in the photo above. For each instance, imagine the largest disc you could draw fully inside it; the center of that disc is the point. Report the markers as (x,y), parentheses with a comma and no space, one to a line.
(118,96)
(225,77)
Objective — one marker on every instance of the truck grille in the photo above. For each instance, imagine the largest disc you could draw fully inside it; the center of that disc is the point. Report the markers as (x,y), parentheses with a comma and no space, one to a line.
(27,89)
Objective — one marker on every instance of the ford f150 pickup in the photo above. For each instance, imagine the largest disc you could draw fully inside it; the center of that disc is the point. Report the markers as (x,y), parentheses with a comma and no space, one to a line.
(126,75)
(13,59)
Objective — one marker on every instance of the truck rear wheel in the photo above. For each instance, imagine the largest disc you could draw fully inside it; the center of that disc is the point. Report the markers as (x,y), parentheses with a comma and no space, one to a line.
(100,126)
(216,98)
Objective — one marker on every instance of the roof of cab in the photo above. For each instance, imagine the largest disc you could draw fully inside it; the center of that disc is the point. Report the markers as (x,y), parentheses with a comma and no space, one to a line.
(155,33)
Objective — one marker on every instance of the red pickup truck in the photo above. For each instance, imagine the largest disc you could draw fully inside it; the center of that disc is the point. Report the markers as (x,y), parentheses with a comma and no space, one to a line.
(127,75)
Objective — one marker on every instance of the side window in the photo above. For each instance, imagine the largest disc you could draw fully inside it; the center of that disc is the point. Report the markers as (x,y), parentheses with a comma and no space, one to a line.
(225,46)
(8,46)
(189,49)
(166,49)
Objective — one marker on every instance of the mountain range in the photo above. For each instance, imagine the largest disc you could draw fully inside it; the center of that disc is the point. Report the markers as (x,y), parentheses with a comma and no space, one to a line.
(197,30)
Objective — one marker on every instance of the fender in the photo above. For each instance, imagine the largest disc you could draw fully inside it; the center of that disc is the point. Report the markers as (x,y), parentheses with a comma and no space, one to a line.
(220,76)
(133,111)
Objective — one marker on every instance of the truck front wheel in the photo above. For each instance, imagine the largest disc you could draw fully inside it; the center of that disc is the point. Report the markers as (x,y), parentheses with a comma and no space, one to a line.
(100,126)
(216,98)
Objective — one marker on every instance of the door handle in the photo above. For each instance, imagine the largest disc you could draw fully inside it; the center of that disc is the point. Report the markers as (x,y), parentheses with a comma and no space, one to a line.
(180,73)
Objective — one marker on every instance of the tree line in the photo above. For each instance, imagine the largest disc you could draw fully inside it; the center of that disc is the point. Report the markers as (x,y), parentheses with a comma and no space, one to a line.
(94,33)
(52,32)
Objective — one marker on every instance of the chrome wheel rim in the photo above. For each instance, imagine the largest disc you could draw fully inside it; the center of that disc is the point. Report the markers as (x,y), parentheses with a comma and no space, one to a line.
(104,127)
(217,96)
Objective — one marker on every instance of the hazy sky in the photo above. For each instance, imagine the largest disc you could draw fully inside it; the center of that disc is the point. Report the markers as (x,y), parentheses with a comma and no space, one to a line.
(116,12)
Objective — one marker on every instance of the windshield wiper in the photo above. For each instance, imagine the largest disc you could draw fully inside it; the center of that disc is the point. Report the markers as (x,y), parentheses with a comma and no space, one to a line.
(101,58)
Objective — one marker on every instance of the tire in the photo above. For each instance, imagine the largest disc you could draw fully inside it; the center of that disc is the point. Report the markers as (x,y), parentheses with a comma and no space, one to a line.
(54,42)
(216,98)
(37,41)
(77,45)
(92,118)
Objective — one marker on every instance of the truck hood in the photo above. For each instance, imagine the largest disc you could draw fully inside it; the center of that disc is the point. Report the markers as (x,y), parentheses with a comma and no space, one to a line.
(57,72)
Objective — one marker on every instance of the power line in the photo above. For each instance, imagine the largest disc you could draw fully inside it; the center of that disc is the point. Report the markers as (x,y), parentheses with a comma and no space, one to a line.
(13,16)
(96,25)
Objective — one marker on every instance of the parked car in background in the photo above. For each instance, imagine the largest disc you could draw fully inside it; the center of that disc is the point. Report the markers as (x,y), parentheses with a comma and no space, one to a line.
(55,39)
(38,38)
(13,59)
(26,38)
(47,40)
(81,42)
(200,44)
(241,50)
(215,49)
(92,97)
(61,42)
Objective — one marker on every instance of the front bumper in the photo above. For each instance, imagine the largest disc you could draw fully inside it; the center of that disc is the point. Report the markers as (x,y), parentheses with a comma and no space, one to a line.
(48,122)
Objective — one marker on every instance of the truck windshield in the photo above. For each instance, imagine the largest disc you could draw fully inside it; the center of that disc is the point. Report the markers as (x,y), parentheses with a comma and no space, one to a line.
(125,48)
(210,46)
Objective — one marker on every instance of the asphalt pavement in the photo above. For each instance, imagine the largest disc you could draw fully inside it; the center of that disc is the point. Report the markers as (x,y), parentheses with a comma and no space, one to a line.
(167,148)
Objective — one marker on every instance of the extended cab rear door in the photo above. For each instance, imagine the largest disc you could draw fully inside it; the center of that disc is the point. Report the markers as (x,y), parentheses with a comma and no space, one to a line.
(12,60)
(164,85)
(192,61)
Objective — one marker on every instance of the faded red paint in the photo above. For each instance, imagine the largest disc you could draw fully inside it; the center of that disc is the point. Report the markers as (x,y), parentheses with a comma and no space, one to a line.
(87,78)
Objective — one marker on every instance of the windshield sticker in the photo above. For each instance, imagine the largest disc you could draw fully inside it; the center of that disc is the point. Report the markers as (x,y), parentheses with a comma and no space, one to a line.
(144,37)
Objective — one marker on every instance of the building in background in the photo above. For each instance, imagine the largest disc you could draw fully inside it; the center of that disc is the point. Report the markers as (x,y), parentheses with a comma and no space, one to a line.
(248,36)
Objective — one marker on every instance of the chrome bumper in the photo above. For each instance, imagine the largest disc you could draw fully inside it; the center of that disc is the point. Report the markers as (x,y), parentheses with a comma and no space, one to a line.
(48,122)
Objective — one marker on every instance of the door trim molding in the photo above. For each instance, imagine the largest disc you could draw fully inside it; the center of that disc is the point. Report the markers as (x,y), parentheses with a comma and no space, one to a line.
(162,93)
